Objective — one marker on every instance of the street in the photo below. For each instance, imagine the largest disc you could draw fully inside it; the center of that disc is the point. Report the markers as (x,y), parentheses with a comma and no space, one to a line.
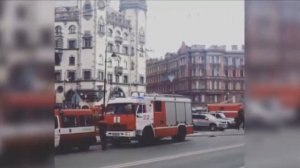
(224,150)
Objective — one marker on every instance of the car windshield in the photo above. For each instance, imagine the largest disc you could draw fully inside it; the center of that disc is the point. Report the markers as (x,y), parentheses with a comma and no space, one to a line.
(121,108)
(221,115)
(210,117)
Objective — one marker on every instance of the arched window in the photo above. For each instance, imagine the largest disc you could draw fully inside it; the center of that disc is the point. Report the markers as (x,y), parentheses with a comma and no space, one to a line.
(58,30)
(88,10)
(101,25)
(71,60)
(110,32)
(118,33)
(72,29)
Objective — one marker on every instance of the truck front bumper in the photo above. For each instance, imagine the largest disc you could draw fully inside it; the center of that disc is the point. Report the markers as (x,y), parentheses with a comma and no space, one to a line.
(126,134)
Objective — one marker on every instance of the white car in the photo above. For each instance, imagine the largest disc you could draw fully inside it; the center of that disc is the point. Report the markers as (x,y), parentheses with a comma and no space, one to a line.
(208,121)
(221,116)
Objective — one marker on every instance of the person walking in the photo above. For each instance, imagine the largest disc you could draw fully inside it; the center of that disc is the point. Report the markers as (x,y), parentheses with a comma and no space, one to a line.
(240,119)
(102,133)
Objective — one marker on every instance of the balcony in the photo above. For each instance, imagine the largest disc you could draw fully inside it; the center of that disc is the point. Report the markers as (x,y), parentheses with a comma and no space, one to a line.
(118,71)
(118,39)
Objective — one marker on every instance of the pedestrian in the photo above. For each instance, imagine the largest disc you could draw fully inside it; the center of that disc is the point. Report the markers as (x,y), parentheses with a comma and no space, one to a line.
(240,119)
(102,133)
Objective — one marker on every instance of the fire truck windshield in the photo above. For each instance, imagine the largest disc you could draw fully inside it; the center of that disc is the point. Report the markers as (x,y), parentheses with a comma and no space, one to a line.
(121,108)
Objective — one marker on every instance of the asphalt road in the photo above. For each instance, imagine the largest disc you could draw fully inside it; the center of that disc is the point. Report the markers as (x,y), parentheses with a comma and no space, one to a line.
(199,150)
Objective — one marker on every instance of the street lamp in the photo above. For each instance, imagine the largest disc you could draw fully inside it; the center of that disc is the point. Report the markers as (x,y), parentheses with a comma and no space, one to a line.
(104,87)
(171,78)
(227,97)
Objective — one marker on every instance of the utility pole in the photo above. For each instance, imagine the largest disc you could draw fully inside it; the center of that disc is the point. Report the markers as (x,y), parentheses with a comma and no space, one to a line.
(79,42)
(105,80)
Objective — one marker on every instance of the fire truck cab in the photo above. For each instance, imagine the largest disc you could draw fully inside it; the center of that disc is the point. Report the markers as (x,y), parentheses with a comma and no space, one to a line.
(149,117)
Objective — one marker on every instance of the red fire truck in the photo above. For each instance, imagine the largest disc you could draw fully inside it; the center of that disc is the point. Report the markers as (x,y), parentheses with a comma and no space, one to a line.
(230,110)
(149,117)
(75,128)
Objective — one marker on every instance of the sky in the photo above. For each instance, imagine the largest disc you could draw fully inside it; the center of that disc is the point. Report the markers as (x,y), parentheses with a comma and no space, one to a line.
(203,22)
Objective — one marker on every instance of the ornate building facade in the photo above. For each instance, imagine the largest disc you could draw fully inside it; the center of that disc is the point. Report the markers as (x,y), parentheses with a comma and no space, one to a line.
(91,29)
(205,74)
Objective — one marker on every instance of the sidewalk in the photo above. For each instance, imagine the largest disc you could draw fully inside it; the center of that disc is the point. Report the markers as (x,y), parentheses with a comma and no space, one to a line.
(228,132)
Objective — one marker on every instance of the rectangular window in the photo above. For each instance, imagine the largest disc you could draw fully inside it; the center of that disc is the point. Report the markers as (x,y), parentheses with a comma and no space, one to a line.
(69,121)
(125,50)
(141,109)
(87,75)
(57,59)
(125,78)
(141,80)
(21,38)
(72,44)
(109,78)
(117,79)
(132,51)
(58,76)
(87,42)
(59,43)
(86,121)
(100,75)
(110,47)
(202,98)
(71,76)
(157,106)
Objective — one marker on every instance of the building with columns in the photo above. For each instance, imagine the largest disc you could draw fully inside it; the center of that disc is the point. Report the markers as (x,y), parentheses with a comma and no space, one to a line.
(87,32)
(204,74)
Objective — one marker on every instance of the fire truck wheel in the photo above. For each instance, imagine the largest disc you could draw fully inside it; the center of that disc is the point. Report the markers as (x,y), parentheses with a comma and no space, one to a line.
(213,127)
(147,136)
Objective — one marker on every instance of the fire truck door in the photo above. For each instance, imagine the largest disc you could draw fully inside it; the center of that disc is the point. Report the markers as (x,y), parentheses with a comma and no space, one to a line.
(143,117)
(56,131)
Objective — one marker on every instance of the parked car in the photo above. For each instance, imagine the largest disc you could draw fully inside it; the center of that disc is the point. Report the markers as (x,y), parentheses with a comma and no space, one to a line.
(209,121)
(221,116)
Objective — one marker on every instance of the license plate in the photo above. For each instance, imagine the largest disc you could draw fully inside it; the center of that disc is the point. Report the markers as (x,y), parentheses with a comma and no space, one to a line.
(115,134)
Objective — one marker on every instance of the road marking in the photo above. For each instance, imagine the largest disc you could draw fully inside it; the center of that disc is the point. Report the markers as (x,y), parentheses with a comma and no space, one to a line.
(163,158)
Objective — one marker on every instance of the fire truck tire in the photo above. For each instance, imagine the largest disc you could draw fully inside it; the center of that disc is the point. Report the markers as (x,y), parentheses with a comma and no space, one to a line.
(212,127)
(181,134)
(147,136)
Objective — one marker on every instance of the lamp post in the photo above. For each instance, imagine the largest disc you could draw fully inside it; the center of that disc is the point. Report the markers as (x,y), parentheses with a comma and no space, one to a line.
(104,87)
